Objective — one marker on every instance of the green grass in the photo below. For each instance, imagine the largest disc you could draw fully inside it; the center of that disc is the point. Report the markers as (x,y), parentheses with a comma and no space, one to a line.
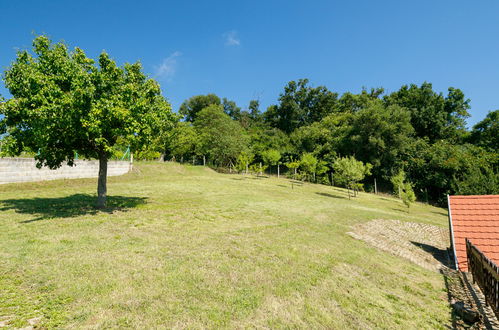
(182,246)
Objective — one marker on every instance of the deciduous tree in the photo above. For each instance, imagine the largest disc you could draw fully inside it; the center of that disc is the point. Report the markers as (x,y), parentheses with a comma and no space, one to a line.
(350,171)
(191,107)
(63,102)
(271,157)
(221,138)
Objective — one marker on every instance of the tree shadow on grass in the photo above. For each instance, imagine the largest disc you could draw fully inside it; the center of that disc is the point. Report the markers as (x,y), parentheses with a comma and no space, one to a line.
(440,213)
(330,195)
(68,206)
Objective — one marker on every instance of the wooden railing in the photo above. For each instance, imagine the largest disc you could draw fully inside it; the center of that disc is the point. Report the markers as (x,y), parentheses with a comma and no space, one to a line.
(485,274)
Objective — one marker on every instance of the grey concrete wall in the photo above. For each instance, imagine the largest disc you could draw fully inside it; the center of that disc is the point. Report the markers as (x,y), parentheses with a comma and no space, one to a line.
(24,170)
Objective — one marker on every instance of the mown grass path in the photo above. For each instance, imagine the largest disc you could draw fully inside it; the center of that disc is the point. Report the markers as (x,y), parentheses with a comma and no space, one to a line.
(183,246)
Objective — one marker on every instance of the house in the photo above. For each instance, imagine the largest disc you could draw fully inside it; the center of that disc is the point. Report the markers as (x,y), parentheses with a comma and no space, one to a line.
(475,217)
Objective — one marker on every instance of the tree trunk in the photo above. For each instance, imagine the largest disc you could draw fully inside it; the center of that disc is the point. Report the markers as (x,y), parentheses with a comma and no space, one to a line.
(204,160)
(102,183)
(278,172)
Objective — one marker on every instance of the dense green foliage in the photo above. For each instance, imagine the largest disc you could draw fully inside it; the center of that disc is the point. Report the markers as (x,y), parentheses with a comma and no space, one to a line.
(407,194)
(220,138)
(414,131)
(350,172)
(64,104)
(486,132)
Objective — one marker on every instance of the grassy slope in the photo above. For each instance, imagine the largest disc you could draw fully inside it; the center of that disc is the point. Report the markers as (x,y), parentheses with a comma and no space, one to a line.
(192,248)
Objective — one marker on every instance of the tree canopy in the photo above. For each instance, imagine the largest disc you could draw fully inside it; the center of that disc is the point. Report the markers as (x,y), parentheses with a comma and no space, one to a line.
(221,138)
(486,132)
(190,108)
(433,115)
(65,103)
(300,105)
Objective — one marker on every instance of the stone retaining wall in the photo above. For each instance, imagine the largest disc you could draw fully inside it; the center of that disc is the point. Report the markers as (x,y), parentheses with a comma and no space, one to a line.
(24,170)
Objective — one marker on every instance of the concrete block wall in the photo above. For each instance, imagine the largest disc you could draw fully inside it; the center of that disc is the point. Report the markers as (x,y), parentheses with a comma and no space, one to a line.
(24,170)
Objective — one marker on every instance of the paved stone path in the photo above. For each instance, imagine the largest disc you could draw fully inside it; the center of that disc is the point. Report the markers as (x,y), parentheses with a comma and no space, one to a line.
(425,245)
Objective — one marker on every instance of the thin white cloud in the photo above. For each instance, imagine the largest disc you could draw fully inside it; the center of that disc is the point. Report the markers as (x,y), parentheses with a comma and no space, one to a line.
(166,70)
(231,38)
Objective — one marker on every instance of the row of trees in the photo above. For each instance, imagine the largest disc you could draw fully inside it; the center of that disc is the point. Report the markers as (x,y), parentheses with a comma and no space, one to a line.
(64,103)
(415,130)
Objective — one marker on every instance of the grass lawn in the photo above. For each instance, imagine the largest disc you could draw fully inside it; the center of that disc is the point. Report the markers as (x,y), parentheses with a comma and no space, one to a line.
(183,246)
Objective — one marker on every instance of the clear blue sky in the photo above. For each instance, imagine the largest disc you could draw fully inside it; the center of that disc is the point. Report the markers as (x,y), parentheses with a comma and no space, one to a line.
(250,49)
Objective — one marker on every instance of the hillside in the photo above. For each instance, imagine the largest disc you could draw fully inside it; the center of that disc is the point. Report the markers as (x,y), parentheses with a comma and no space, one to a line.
(183,246)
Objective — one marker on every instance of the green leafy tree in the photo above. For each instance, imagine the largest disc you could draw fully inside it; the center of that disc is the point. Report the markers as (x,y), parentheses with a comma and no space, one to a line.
(300,105)
(243,162)
(191,107)
(320,169)
(221,138)
(308,164)
(293,165)
(271,157)
(486,132)
(350,171)
(397,181)
(251,118)
(254,110)
(64,103)
(262,139)
(378,135)
(352,103)
(407,195)
(257,169)
(432,115)
(183,141)
(477,181)
(442,167)
(231,109)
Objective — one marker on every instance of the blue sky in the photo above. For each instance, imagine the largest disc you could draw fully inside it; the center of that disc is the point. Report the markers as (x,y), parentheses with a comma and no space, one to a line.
(250,49)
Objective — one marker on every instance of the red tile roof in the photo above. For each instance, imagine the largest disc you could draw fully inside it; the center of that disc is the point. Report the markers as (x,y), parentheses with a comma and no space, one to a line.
(474,217)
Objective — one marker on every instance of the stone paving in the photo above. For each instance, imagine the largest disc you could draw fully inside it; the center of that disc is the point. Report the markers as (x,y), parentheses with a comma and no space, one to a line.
(427,246)
(423,244)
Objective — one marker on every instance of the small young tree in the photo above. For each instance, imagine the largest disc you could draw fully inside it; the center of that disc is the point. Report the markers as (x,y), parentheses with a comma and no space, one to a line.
(293,164)
(321,168)
(257,169)
(398,182)
(63,103)
(308,163)
(243,162)
(351,171)
(407,195)
(271,157)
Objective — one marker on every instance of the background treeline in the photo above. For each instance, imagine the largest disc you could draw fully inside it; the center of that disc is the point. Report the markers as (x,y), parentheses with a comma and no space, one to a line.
(415,131)
(413,140)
